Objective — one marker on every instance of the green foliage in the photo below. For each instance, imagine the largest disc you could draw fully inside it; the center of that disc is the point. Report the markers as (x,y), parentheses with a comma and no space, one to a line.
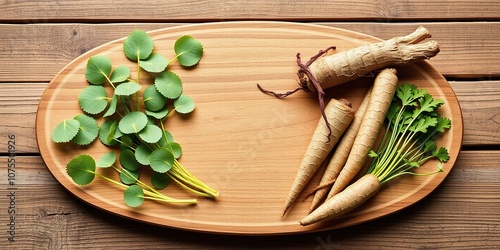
(188,50)
(137,130)
(98,69)
(155,63)
(142,154)
(128,161)
(138,45)
(127,88)
(112,106)
(129,177)
(65,131)
(88,130)
(161,160)
(107,160)
(151,133)
(413,124)
(133,122)
(120,74)
(160,114)
(81,169)
(169,84)
(160,180)
(108,131)
(93,99)
(175,148)
(184,104)
(134,196)
(153,100)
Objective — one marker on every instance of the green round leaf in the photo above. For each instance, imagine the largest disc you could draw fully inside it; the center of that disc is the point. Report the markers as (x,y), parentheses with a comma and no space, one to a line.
(120,74)
(93,99)
(129,177)
(107,160)
(128,161)
(160,180)
(134,196)
(112,106)
(184,104)
(65,131)
(81,169)
(160,114)
(126,142)
(108,131)
(127,88)
(142,154)
(151,133)
(153,100)
(98,69)
(164,141)
(188,50)
(88,130)
(169,84)
(155,63)
(161,160)
(138,45)
(133,122)
(176,149)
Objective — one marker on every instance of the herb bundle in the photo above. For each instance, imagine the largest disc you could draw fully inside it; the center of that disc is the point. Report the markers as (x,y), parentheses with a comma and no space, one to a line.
(134,123)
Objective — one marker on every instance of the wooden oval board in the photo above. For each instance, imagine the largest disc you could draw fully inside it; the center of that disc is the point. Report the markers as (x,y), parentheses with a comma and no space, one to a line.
(244,143)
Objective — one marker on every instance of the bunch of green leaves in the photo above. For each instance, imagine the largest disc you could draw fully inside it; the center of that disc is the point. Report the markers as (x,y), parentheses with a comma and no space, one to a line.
(134,122)
(413,125)
(82,169)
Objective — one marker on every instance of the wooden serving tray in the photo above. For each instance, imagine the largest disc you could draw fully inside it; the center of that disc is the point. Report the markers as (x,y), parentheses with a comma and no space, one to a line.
(244,143)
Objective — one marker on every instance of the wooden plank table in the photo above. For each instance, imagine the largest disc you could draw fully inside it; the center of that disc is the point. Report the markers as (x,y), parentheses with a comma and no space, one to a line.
(38,38)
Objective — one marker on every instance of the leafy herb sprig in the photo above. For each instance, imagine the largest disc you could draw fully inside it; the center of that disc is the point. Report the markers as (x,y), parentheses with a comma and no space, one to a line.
(413,125)
(139,133)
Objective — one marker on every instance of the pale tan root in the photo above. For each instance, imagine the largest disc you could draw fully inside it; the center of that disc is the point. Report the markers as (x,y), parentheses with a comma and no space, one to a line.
(383,91)
(352,197)
(348,65)
(341,153)
(339,114)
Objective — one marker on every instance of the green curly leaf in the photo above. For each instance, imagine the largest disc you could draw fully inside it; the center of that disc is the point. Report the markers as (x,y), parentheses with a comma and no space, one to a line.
(184,104)
(81,169)
(176,149)
(112,106)
(93,99)
(128,161)
(128,177)
(98,69)
(108,131)
(88,130)
(161,160)
(133,122)
(65,131)
(155,63)
(107,160)
(160,114)
(153,100)
(138,45)
(134,196)
(188,50)
(142,154)
(120,74)
(127,88)
(169,84)
(160,180)
(151,133)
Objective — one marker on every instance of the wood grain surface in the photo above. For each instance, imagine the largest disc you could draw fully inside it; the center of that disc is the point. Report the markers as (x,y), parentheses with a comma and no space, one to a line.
(38,38)
(460,214)
(467,49)
(236,126)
